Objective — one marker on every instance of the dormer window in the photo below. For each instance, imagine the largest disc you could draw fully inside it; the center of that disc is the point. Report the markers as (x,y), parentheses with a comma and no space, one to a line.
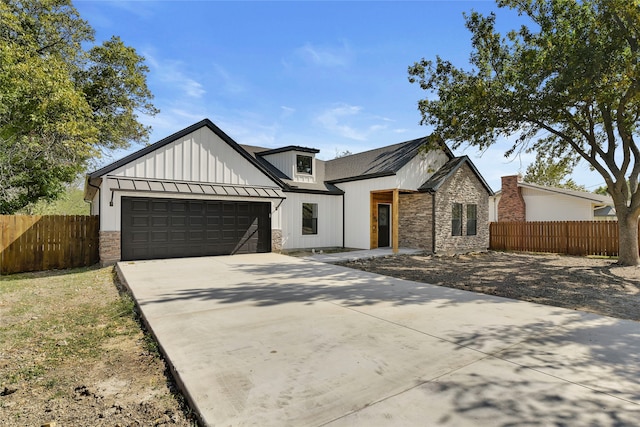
(304,164)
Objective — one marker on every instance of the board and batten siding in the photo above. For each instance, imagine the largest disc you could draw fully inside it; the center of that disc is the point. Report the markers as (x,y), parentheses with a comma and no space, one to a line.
(286,163)
(200,156)
(357,230)
(329,221)
(419,169)
(357,194)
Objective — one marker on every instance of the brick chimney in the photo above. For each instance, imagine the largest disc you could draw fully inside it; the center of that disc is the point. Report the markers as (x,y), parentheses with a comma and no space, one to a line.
(511,206)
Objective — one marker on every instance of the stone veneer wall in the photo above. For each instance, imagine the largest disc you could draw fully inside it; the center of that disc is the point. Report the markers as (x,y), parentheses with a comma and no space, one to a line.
(463,187)
(511,206)
(276,240)
(109,247)
(415,221)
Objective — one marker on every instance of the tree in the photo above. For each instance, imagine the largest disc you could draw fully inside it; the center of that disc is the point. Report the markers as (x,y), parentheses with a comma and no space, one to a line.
(61,104)
(70,202)
(550,172)
(567,85)
(343,153)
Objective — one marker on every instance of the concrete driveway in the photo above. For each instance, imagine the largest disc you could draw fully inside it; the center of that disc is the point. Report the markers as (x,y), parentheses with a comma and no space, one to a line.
(270,340)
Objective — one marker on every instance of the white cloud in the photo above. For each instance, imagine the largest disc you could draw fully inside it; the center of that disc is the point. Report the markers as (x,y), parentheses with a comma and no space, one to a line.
(325,56)
(229,83)
(347,121)
(286,111)
(332,120)
(172,72)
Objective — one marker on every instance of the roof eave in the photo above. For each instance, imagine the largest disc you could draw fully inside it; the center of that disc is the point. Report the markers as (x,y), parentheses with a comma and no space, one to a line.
(362,177)
(176,136)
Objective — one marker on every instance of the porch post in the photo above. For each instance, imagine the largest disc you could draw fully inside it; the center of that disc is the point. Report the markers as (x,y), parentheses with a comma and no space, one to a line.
(395,220)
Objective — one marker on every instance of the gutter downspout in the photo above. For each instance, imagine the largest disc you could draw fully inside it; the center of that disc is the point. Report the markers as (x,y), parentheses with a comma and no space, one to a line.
(98,192)
(433,222)
(343,222)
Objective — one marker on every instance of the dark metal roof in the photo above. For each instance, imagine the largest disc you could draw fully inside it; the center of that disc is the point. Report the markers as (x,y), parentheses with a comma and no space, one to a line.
(288,148)
(383,161)
(447,170)
(188,187)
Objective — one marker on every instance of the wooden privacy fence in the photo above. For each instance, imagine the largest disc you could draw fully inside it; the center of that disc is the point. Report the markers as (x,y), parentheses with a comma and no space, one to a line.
(35,242)
(566,237)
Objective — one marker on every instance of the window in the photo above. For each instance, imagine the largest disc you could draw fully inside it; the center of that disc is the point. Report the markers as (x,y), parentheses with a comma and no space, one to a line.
(309,218)
(304,164)
(456,219)
(472,219)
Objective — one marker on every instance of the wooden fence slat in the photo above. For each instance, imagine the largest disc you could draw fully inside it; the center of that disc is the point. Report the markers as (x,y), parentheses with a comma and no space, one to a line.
(34,243)
(565,237)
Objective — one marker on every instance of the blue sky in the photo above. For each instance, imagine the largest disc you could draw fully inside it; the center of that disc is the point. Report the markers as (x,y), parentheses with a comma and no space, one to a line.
(331,75)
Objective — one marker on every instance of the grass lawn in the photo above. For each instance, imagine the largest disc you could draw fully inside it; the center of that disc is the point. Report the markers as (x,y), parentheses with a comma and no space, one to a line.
(72,352)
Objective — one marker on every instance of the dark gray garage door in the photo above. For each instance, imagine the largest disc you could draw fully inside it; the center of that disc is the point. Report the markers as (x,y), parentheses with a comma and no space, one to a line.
(172,228)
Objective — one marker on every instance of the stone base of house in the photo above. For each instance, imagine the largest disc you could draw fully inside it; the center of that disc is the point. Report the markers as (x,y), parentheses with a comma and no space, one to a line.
(109,247)
(416,221)
(276,240)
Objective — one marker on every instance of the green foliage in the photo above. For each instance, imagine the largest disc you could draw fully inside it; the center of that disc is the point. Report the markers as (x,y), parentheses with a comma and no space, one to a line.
(71,202)
(602,190)
(342,153)
(61,104)
(567,85)
(550,172)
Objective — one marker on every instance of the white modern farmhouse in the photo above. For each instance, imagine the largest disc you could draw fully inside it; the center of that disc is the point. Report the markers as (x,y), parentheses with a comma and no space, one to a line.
(198,193)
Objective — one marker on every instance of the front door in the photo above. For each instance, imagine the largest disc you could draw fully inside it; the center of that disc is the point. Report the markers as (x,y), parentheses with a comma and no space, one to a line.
(384,213)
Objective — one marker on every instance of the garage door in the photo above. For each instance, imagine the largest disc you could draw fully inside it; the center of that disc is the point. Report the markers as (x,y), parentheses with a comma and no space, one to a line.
(172,228)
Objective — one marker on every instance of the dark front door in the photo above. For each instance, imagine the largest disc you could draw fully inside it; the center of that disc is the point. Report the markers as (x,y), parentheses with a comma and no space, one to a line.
(384,221)
(155,228)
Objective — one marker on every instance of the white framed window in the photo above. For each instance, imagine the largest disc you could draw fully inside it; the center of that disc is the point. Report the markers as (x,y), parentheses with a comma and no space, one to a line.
(304,164)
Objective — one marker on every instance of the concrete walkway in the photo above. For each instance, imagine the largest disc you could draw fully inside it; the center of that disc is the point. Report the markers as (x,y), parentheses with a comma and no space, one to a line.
(335,257)
(271,340)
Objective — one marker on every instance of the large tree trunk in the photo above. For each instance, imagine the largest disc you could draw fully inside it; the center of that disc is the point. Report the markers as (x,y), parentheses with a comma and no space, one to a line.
(628,228)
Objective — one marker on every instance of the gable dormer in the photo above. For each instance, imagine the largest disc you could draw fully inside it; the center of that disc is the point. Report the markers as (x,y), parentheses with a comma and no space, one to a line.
(297,163)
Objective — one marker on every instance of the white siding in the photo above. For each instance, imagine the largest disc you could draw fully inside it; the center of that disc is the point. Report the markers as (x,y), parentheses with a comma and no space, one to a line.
(95,204)
(357,212)
(200,156)
(419,169)
(286,163)
(357,194)
(543,206)
(329,221)
(493,208)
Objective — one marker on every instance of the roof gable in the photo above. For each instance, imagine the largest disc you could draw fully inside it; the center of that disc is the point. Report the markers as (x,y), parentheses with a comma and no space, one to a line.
(447,170)
(379,162)
(206,123)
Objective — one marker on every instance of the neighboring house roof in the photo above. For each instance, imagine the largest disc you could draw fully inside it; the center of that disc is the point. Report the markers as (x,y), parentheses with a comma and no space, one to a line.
(607,211)
(593,197)
(375,163)
(447,170)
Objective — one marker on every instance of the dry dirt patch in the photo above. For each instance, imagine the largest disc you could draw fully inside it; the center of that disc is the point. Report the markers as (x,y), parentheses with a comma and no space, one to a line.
(588,284)
(72,353)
